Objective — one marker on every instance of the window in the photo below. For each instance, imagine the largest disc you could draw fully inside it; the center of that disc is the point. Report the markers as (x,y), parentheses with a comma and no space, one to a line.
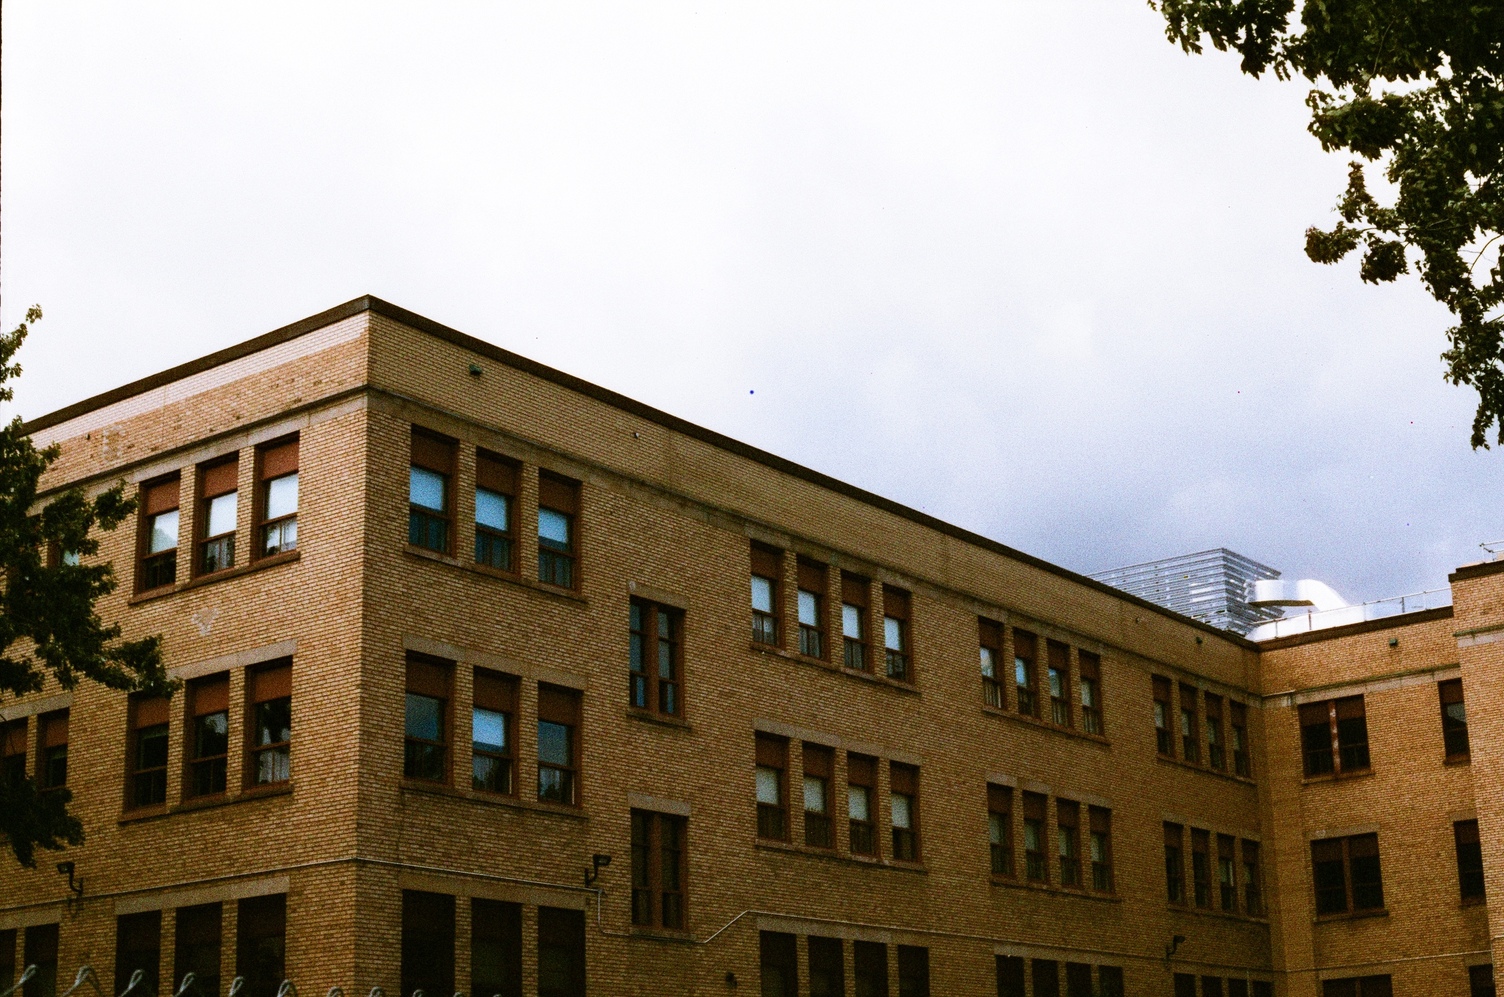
(1058,656)
(855,593)
(827,967)
(1110,981)
(209,735)
(1334,737)
(1469,859)
(1211,986)
(817,767)
(653,680)
(914,971)
(277,498)
(1023,672)
(1101,848)
(40,950)
(1068,838)
(427,942)
(269,695)
(1185,985)
(138,947)
(218,505)
(767,570)
(1046,978)
(1165,742)
(1358,986)
(1227,872)
(778,956)
(1010,976)
(196,948)
(148,751)
(870,967)
(493,737)
(1239,714)
(495,948)
(1078,980)
(561,952)
(159,534)
(1035,866)
(1453,721)
(261,944)
(1174,863)
(1190,736)
(1480,981)
(558,512)
(13,752)
(811,608)
(1091,692)
(903,785)
(7,957)
(495,496)
(896,633)
(558,745)
(1201,867)
(1216,753)
(1000,829)
(1253,879)
(991,640)
(428,492)
(861,784)
(657,870)
(1345,872)
(772,788)
(52,765)
(426,743)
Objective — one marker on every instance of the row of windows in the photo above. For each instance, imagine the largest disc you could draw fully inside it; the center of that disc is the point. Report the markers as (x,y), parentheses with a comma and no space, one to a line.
(1218,986)
(428,947)
(778,956)
(1218,872)
(1224,722)
(1071,868)
(1334,733)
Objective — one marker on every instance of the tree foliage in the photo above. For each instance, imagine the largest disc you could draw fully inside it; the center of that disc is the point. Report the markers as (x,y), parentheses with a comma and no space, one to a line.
(48,623)
(1414,88)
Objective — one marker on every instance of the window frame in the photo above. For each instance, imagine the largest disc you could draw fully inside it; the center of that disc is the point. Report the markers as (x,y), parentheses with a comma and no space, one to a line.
(772,755)
(1227,873)
(267,684)
(564,497)
(1216,746)
(428,759)
(861,774)
(1099,828)
(148,714)
(158,571)
(1253,878)
(1307,714)
(1242,764)
(495,692)
(275,462)
(856,595)
(564,707)
(898,662)
(1000,830)
(766,566)
(1201,868)
(1470,879)
(903,783)
(1068,844)
(437,454)
(1035,808)
(499,476)
(52,734)
(1058,670)
(645,625)
(1190,725)
(990,659)
(1025,666)
(1175,885)
(1164,717)
(216,479)
(812,579)
(14,743)
(652,856)
(1089,668)
(818,763)
(1454,731)
(206,697)
(1341,853)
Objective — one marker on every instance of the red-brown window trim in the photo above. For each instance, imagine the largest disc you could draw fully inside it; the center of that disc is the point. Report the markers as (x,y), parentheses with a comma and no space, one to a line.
(268,683)
(157,497)
(274,460)
(772,753)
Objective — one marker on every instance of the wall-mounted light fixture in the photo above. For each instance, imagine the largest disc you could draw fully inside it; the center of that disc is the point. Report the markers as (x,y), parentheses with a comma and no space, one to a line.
(66,869)
(597,861)
(1173,947)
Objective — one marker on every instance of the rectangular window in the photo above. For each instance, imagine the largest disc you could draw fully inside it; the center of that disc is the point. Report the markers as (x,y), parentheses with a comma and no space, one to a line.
(148,751)
(1058,658)
(218,493)
(1174,863)
(991,641)
(429,490)
(870,965)
(1334,737)
(1165,742)
(1036,866)
(767,574)
(1101,849)
(7,957)
(1216,752)
(1190,735)
(1078,980)
(1346,875)
(778,958)
(1091,692)
(208,735)
(495,948)
(261,944)
(1201,867)
(827,967)
(558,524)
(914,971)
(561,952)
(1453,721)
(52,762)
(1469,859)
(1358,986)
(1185,985)
(1480,981)
(495,500)
(13,752)
(1110,981)
(269,702)
(138,948)
(1239,715)
(1046,978)
(657,870)
(654,669)
(277,498)
(903,785)
(812,585)
(40,950)
(1068,839)
(1253,879)
(1010,976)
(1237,987)
(1227,872)
(818,762)
(1211,986)
(772,787)
(196,947)
(493,733)
(159,534)
(558,745)
(861,788)
(1000,829)
(855,594)
(426,726)
(896,633)
(1024,682)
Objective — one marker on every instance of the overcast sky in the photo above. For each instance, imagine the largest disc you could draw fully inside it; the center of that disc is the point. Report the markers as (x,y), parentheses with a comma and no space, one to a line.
(1022,265)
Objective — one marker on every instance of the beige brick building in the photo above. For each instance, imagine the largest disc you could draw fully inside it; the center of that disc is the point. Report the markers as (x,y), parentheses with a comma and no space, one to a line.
(499,682)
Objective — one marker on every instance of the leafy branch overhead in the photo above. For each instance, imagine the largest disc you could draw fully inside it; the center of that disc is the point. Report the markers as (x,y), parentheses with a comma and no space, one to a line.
(49,583)
(1414,88)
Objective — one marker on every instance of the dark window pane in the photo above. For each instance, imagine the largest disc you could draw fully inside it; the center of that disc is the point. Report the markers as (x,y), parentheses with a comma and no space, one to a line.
(779,957)
(261,944)
(561,952)
(138,948)
(827,969)
(427,943)
(870,968)
(914,971)
(495,948)
(196,949)
(1046,978)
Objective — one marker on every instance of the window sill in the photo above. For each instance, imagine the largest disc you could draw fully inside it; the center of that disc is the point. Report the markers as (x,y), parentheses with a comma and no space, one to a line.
(1038,724)
(1316,780)
(1013,883)
(423,553)
(649,717)
(492,799)
(832,855)
(671,935)
(218,576)
(1356,915)
(1242,780)
(196,803)
(1458,760)
(834,668)
(1221,915)
(1470,903)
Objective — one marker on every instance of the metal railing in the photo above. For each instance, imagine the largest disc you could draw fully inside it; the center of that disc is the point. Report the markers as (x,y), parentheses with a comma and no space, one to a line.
(185,988)
(1321,619)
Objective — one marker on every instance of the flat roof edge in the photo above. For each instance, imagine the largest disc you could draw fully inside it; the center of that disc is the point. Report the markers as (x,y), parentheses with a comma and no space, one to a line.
(1352,629)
